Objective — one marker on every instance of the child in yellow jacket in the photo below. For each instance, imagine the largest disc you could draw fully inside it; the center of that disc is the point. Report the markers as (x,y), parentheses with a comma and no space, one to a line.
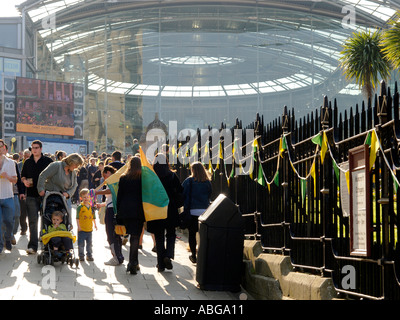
(85,219)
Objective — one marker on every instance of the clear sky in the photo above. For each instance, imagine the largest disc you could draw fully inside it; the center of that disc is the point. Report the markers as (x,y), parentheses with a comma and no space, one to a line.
(8,8)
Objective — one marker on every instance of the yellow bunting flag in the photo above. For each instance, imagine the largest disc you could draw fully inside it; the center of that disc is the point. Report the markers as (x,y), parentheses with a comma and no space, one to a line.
(324,147)
(313,176)
(374,149)
(348,180)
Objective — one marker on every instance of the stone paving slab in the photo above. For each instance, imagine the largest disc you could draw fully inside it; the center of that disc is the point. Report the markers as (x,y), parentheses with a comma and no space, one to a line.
(22,278)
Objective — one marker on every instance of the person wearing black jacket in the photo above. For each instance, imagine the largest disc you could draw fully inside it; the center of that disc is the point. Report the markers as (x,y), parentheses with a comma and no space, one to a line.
(130,209)
(164,229)
(29,177)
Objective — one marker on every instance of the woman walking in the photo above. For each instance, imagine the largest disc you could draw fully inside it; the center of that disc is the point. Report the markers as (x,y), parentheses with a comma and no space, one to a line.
(61,176)
(197,192)
(164,229)
(130,209)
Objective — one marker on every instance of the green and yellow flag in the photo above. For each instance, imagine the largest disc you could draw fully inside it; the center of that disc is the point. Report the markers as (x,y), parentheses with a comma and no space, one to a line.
(373,142)
(112,183)
(154,197)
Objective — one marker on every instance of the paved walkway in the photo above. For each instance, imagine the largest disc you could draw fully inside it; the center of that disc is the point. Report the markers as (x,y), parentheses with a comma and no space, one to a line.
(21,277)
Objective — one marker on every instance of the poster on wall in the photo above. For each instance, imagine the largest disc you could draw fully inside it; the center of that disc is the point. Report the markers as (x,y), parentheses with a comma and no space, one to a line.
(45,107)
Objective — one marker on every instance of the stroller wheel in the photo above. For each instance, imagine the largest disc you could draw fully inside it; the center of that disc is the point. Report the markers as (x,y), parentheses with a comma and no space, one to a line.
(76,263)
(39,258)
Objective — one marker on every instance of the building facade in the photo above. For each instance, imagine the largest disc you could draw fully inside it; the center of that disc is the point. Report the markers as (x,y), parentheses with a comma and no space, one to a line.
(197,63)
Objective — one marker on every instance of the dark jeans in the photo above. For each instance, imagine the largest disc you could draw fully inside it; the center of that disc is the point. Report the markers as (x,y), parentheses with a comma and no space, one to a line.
(32,210)
(82,237)
(59,241)
(113,239)
(23,216)
(165,244)
(193,228)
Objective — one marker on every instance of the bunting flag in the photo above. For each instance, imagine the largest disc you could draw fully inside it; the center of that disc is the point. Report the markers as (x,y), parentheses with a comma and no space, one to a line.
(322,141)
(234,149)
(303,185)
(372,141)
(276,179)
(194,152)
(221,156)
(282,146)
(232,171)
(317,139)
(312,172)
(260,177)
(255,148)
(337,172)
(324,147)
(347,174)
(154,197)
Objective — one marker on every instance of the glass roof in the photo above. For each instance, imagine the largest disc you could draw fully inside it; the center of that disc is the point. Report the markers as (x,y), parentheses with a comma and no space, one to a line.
(381,9)
(274,48)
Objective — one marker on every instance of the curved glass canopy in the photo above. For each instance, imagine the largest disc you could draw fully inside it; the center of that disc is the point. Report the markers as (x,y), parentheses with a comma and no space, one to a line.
(199,63)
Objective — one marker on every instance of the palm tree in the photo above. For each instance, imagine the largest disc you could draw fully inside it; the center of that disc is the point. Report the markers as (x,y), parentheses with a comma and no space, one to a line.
(363,60)
(391,42)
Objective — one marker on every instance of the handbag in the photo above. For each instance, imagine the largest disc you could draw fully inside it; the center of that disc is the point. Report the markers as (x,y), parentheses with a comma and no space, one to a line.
(185,217)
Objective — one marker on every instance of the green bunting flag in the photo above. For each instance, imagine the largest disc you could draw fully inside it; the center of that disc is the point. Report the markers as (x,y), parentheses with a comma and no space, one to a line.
(276,179)
(260,177)
(337,173)
(303,186)
(317,139)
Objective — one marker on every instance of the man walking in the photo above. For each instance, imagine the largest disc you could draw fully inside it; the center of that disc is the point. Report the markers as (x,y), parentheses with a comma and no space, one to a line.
(29,176)
(8,177)
(22,198)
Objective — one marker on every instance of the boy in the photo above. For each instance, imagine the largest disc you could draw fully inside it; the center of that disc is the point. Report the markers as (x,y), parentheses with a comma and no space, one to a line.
(56,219)
(85,219)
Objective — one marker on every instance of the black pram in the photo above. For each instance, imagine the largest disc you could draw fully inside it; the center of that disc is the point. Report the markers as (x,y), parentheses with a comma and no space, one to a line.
(55,201)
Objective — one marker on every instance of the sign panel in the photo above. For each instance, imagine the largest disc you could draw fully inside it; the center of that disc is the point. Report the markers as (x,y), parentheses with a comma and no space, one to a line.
(360,205)
(45,107)
(9,106)
(79,96)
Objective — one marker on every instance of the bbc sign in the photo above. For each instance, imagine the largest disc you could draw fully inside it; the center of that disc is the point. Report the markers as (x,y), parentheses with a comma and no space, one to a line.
(9,106)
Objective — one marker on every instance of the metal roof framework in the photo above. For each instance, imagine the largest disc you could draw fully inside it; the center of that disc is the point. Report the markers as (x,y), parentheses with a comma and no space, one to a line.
(278,34)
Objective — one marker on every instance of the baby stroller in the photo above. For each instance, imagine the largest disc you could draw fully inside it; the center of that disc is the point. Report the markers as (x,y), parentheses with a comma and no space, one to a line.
(55,201)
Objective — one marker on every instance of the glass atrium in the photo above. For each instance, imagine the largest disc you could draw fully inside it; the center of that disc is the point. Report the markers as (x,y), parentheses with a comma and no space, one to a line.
(199,63)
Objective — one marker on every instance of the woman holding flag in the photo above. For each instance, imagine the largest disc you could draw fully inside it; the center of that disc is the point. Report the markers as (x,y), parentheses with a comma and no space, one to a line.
(130,210)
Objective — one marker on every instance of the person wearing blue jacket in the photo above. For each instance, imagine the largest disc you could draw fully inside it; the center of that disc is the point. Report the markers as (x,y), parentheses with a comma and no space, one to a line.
(197,191)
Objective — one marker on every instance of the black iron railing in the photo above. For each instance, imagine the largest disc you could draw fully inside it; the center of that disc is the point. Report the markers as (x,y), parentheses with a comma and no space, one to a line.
(293,200)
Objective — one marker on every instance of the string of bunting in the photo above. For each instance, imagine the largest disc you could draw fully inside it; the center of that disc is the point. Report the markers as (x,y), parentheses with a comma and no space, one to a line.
(322,145)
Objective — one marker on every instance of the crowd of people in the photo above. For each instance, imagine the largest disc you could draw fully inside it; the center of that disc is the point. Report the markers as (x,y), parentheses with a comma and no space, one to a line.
(27,175)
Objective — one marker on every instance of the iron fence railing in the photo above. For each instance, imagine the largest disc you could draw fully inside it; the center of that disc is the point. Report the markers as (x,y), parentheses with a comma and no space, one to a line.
(293,200)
